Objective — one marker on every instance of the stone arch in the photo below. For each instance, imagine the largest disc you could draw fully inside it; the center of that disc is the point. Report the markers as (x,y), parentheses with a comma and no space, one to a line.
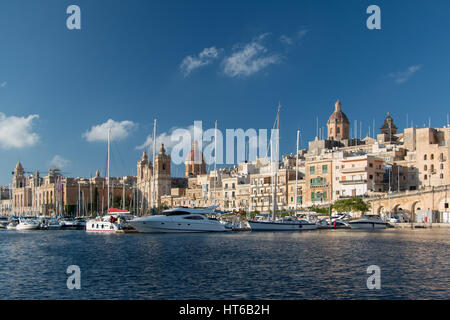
(416,205)
(381,209)
(395,208)
(441,201)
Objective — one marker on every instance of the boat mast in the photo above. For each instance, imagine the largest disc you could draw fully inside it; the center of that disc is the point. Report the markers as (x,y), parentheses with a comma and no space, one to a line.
(154,156)
(296,173)
(109,146)
(274,166)
(215,161)
(123,195)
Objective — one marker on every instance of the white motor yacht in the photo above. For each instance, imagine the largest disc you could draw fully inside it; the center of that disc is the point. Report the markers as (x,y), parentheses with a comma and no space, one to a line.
(179,220)
(368,221)
(27,225)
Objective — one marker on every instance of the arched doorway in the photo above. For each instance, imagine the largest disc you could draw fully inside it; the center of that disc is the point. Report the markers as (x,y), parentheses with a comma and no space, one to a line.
(443,204)
(416,205)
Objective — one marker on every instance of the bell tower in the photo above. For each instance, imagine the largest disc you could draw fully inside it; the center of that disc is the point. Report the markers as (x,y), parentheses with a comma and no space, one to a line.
(18,178)
(163,179)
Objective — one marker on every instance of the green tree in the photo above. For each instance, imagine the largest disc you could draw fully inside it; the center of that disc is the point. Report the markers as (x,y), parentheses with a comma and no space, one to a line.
(353,204)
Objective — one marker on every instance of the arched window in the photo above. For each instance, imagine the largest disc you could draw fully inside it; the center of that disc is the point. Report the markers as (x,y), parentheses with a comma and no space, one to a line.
(425,157)
(425,168)
(432,156)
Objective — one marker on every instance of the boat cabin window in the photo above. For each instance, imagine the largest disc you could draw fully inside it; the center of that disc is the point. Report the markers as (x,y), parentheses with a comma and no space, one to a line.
(176,213)
(194,218)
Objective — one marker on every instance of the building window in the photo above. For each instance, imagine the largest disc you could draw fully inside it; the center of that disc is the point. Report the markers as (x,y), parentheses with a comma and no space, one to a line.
(432,156)
(425,157)
(325,169)
(441,176)
(425,168)
(425,177)
(312,170)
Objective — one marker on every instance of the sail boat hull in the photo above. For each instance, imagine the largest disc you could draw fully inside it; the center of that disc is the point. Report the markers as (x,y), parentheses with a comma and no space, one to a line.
(281,226)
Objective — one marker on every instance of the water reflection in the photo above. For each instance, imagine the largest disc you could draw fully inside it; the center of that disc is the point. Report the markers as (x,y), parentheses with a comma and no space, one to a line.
(304,265)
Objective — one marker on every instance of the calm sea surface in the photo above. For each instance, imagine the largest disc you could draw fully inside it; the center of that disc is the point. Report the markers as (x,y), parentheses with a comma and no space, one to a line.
(325,264)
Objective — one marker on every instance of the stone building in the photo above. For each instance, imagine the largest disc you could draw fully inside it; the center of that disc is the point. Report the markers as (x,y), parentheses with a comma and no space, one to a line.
(55,194)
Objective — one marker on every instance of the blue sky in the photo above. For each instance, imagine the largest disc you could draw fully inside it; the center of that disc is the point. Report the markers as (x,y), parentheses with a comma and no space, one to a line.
(130,63)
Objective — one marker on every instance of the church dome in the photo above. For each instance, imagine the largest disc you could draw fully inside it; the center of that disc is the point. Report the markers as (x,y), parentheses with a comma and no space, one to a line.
(338,116)
(195,154)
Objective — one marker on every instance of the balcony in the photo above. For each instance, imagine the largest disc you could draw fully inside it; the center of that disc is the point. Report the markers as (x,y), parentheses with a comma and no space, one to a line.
(319,185)
(347,182)
(355,169)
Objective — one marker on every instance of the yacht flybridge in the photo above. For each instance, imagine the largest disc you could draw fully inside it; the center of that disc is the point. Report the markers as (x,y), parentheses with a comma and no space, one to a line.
(179,220)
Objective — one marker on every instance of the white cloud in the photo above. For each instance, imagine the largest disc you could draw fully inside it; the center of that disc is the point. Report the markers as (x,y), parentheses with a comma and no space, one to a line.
(3,84)
(119,130)
(286,40)
(290,40)
(249,59)
(16,132)
(59,162)
(204,58)
(403,76)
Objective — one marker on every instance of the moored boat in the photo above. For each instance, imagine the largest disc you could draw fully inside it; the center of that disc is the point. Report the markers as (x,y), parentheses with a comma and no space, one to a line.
(27,225)
(282,225)
(179,220)
(368,221)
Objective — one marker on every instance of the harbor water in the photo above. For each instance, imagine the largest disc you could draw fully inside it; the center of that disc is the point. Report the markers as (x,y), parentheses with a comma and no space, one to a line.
(324,264)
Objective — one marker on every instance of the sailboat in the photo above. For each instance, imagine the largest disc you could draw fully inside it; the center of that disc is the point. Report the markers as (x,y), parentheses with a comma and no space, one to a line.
(110,222)
(287,224)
